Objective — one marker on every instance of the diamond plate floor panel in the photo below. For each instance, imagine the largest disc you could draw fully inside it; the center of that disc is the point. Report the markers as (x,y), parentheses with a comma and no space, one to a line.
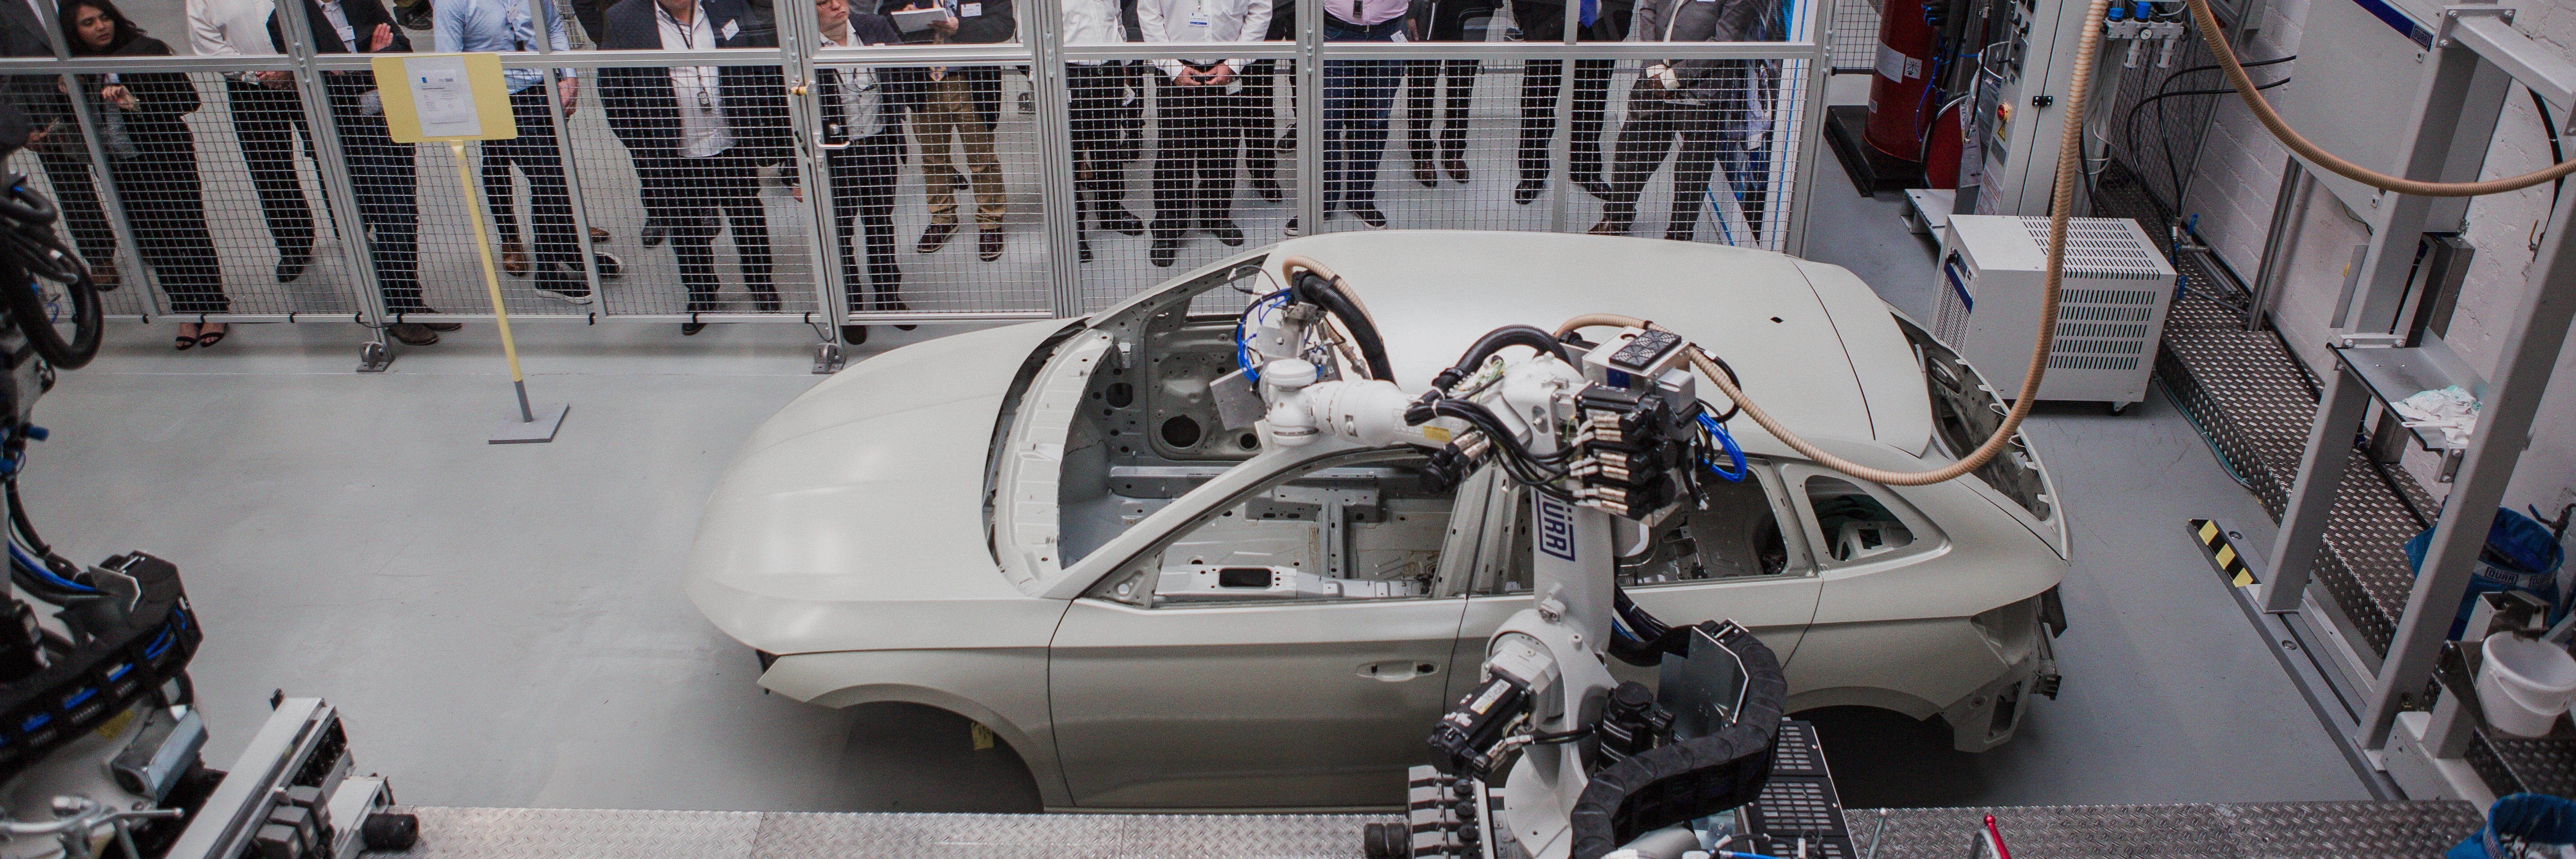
(2358,830)
(2353,830)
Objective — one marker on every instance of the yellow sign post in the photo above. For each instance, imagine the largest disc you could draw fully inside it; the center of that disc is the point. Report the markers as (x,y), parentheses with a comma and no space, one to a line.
(451,99)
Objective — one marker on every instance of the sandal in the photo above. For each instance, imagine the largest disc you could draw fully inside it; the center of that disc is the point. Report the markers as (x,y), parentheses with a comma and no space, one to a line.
(208,339)
(187,339)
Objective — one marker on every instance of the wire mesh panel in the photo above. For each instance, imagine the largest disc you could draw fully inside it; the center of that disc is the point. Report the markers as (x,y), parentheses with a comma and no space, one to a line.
(1204,171)
(1716,162)
(1855,35)
(40,171)
(689,178)
(968,221)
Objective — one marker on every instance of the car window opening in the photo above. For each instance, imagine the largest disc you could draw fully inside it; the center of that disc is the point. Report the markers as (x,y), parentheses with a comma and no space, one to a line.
(1853,524)
(1344,533)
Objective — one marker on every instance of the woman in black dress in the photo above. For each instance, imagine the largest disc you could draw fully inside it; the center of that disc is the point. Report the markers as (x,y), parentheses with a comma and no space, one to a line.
(154,159)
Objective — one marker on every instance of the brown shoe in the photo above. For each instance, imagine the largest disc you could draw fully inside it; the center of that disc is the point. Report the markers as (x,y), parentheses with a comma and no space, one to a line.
(934,238)
(412,333)
(598,235)
(514,259)
(988,244)
(1608,227)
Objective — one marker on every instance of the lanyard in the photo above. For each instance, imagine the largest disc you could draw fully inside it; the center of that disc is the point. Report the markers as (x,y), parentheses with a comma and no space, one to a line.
(688,31)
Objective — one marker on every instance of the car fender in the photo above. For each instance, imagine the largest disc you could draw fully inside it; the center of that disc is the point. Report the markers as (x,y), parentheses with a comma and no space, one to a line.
(1004,689)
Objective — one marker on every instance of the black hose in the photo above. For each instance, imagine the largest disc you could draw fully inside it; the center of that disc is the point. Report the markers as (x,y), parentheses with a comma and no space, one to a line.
(1313,288)
(1494,341)
(32,251)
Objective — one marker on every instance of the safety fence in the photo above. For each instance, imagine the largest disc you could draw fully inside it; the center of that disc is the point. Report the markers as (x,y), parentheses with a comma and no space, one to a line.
(1022,180)
(1855,36)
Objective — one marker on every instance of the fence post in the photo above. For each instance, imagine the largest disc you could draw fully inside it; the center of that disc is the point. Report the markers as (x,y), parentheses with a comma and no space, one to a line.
(799,37)
(338,192)
(1560,145)
(562,126)
(1309,82)
(1811,123)
(102,177)
(1059,197)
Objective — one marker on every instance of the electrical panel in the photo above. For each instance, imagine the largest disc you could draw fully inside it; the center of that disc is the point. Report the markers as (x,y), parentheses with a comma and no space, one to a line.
(2020,106)
(2110,306)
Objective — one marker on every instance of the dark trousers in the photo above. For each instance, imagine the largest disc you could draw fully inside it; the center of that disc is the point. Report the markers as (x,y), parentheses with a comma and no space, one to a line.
(384,178)
(76,191)
(1541,80)
(1199,137)
(166,208)
(549,204)
(1422,87)
(863,179)
(1357,97)
(1098,125)
(1651,130)
(1258,117)
(691,193)
(266,121)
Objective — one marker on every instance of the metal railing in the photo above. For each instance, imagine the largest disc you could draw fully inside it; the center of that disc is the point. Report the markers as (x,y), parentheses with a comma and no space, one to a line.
(1476,135)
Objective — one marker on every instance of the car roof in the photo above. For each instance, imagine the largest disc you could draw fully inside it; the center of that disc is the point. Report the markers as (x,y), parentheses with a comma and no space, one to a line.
(1810,341)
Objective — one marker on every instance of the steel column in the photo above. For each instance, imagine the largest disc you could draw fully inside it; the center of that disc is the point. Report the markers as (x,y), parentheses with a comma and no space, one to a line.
(2301,540)
(799,36)
(1310,118)
(1811,125)
(1560,145)
(1058,195)
(562,126)
(2448,72)
(340,194)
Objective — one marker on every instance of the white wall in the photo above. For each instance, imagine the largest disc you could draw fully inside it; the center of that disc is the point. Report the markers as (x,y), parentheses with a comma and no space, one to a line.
(2240,174)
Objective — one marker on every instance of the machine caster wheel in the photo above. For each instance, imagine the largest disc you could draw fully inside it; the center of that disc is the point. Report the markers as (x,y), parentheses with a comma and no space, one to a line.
(374,358)
(383,831)
(2117,409)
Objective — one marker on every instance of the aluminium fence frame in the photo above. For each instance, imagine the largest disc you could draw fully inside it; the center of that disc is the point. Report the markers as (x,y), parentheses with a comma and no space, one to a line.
(1805,60)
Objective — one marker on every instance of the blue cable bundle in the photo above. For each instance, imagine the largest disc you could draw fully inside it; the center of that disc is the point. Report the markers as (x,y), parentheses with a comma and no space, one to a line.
(1733,452)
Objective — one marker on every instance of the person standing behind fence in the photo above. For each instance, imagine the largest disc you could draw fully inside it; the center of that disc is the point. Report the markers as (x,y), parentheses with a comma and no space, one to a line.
(859,110)
(1541,80)
(382,173)
(1257,108)
(56,137)
(1357,96)
(1098,88)
(1441,21)
(1685,100)
(1200,118)
(964,101)
(154,159)
(510,25)
(699,135)
(266,117)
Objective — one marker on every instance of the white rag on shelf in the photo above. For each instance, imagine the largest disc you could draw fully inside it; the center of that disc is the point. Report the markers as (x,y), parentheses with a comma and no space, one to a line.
(2450,410)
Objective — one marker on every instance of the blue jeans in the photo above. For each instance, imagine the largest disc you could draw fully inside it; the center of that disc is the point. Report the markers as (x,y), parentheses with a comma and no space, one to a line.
(1357,96)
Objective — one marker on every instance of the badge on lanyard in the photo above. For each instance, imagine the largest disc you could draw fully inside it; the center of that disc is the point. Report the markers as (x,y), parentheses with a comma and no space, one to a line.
(1199,20)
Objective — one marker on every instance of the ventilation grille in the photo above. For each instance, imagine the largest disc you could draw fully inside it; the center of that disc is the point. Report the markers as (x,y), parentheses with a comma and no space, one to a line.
(2082,329)
(2106,296)
(2104,314)
(2100,248)
(2090,362)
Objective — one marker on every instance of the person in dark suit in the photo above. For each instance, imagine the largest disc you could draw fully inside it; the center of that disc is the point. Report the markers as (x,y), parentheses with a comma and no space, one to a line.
(57,140)
(1442,21)
(1541,80)
(382,173)
(699,136)
(964,101)
(863,144)
(154,159)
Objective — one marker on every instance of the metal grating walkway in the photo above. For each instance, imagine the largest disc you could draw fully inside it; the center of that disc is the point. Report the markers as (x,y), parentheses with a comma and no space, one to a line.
(2257,403)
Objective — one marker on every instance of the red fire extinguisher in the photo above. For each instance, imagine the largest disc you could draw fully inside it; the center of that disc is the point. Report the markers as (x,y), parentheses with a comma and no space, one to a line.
(1899,105)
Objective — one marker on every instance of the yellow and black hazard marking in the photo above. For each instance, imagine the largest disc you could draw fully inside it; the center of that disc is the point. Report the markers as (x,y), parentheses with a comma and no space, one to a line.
(2231,566)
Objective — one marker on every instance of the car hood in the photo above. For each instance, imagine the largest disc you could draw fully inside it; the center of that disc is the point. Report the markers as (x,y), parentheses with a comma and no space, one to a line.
(853,519)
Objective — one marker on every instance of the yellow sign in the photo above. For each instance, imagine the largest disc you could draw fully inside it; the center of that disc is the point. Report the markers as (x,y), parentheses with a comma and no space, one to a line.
(444,98)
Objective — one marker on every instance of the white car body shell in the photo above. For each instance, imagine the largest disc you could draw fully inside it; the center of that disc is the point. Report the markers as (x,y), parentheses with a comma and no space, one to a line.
(849,538)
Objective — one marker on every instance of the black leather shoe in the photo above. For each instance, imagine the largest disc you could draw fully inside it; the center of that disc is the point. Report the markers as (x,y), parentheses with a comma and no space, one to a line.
(1225,231)
(854,334)
(291,267)
(1528,190)
(767,300)
(610,267)
(1456,167)
(1082,247)
(1117,219)
(1376,220)
(653,234)
(691,329)
(1423,173)
(988,244)
(412,333)
(1165,250)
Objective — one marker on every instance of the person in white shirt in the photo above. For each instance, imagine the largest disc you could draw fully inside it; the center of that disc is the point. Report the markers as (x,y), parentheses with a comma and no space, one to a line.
(699,136)
(863,146)
(1098,87)
(1199,114)
(510,25)
(266,120)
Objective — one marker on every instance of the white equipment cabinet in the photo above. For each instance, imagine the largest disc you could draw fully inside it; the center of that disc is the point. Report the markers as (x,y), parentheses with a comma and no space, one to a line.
(2111,306)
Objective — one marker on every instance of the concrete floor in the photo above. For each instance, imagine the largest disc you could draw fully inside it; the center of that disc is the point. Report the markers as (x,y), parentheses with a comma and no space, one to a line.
(503,624)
